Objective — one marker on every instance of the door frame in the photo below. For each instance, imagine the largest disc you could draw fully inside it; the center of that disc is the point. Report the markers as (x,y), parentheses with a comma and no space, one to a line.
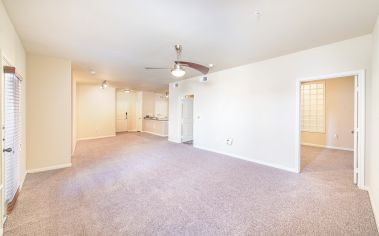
(2,207)
(125,115)
(181,116)
(359,119)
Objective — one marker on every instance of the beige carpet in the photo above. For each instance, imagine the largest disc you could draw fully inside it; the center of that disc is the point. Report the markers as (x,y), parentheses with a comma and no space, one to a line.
(138,184)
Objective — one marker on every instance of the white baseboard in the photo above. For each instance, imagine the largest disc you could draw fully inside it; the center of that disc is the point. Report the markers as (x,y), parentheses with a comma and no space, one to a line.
(374,206)
(329,147)
(160,135)
(247,159)
(48,168)
(174,141)
(365,188)
(97,137)
(23,180)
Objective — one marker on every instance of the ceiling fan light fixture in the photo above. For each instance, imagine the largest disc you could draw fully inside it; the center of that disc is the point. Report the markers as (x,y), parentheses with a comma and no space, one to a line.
(178,71)
(104,85)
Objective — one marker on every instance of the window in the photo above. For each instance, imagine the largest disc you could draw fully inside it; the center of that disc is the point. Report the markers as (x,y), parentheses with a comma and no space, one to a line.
(313,107)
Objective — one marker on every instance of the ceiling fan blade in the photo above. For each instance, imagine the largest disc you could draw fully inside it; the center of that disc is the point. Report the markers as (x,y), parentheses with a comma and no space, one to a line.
(201,68)
(157,68)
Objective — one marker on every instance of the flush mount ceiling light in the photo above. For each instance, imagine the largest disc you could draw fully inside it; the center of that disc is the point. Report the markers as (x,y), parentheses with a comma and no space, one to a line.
(126,91)
(104,85)
(178,71)
(92,72)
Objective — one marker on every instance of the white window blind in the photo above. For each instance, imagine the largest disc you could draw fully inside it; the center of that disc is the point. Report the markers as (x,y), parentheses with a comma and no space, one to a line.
(12,128)
(313,107)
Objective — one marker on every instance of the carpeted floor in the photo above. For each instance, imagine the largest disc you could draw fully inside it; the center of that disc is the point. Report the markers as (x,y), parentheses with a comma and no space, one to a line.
(139,184)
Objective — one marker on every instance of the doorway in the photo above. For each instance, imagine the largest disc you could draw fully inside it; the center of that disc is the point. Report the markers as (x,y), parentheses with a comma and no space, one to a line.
(126,111)
(187,119)
(121,112)
(331,120)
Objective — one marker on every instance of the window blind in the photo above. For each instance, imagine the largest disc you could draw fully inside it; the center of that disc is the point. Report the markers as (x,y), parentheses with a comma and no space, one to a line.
(12,139)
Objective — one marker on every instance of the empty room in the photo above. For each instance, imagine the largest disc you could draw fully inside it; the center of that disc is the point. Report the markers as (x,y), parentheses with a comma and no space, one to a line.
(189,118)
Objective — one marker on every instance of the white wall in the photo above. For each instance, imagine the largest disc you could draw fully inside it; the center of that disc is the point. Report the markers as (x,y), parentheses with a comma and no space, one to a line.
(96,111)
(372,147)
(255,104)
(48,112)
(339,116)
(73,112)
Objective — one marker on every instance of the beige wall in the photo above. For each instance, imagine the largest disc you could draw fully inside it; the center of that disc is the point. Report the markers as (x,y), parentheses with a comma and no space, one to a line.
(148,103)
(95,111)
(339,116)
(372,127)
(48,112)
(161,105)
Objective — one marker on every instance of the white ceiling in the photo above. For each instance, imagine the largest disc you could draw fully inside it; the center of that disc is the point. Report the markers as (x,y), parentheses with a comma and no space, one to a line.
(118,38)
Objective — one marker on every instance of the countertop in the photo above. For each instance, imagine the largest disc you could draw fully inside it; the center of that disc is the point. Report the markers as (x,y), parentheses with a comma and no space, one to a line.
(155,118)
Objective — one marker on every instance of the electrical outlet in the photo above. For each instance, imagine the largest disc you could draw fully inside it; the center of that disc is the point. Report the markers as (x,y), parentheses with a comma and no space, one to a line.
(229,141)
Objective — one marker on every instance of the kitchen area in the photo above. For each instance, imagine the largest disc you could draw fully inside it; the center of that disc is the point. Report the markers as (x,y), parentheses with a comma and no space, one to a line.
(142,111)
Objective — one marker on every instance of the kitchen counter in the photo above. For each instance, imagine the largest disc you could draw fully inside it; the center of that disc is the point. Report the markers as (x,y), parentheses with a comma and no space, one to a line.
(154,118)
(155,126)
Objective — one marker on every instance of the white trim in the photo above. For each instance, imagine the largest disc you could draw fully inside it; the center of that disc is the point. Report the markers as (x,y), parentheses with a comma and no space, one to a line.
(128,131)
(365,188)
(48,168)
(23,180)
(329,147)
(247,159)
(156,134)
(97,137)
(361,118)
(173,140)
(374,206)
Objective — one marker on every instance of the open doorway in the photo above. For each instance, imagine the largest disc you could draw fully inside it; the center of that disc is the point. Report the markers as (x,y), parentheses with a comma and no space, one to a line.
(331,124)
(187,119)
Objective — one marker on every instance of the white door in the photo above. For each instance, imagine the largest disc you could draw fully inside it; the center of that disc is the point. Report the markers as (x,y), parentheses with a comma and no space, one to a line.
(139,111)
(359,128)
(121,112)
(11,135)
(187,118)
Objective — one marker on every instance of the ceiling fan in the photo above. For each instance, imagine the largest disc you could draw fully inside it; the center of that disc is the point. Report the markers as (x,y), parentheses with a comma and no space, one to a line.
(178,70)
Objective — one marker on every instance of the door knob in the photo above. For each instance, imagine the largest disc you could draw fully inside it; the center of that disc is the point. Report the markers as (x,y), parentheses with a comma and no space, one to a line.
(7,150)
